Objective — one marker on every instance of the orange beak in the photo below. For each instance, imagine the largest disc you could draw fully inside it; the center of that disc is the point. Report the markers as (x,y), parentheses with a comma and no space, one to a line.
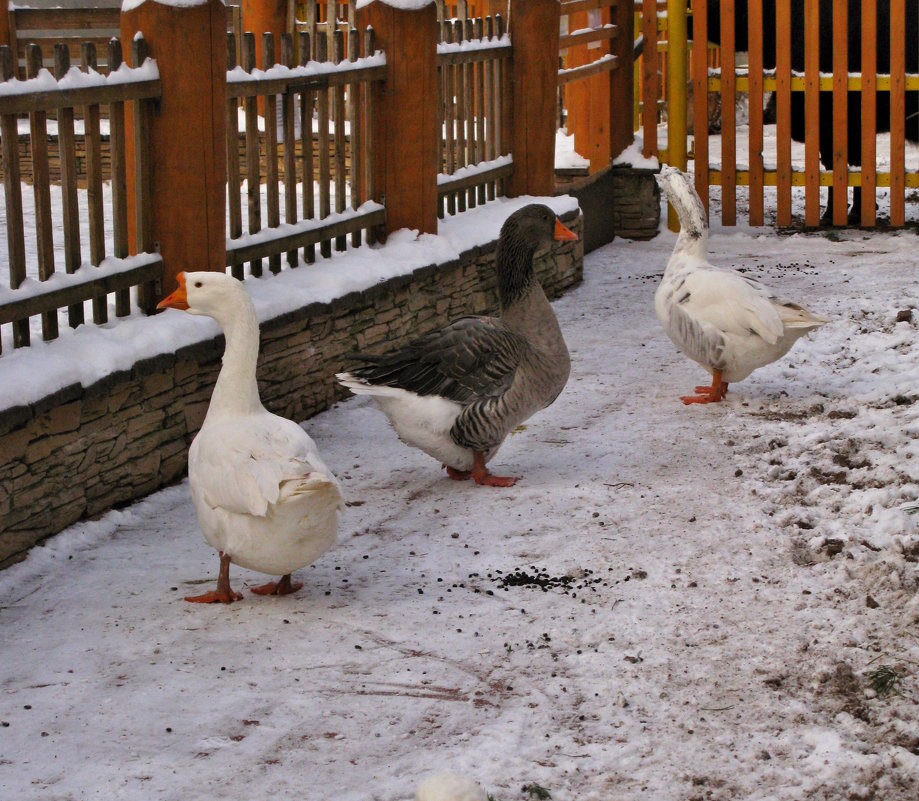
(562,233)
(178,299)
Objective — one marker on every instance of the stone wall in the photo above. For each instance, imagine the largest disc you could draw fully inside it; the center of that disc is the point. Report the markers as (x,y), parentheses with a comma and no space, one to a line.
(618,201)
(85,450)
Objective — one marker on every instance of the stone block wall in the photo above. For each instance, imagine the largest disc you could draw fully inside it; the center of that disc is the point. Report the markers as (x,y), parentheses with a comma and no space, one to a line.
(85,450)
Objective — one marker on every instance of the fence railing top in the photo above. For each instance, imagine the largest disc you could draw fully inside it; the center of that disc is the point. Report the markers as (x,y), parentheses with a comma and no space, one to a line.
(76,78)
(78,88)
(312,69)
(493,43)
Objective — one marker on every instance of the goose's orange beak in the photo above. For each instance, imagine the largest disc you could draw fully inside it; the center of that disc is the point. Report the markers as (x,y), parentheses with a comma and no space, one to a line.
(178,299)
(563,233)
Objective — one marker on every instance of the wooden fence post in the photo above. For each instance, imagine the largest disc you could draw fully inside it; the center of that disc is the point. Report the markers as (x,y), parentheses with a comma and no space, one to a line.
(5,22)
(187,134)
(406,127)
(621,84)
(534,82)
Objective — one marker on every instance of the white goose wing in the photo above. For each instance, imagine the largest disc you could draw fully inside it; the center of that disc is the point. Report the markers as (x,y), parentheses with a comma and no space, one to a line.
(245,465)
(731,303)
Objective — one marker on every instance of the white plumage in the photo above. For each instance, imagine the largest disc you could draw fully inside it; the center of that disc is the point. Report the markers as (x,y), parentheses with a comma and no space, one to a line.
(728,323)
(449,786)
(263,496)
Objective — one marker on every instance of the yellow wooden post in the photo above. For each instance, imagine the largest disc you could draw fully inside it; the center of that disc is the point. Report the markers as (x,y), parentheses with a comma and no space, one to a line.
(676,93)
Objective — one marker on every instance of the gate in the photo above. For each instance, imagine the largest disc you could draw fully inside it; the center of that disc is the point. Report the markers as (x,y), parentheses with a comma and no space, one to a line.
(841,77)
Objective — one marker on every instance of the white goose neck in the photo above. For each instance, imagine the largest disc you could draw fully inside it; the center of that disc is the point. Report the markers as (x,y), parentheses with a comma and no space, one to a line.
(236,391)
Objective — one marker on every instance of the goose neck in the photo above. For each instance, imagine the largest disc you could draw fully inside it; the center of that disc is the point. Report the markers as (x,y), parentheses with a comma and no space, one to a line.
(236,391)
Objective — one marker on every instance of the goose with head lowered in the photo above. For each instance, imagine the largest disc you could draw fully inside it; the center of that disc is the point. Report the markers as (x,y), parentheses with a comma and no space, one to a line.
(456,393)
(263,497)
(727,322)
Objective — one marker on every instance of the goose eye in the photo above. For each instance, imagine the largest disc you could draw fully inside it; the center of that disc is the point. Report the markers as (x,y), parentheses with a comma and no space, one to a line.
(198,284)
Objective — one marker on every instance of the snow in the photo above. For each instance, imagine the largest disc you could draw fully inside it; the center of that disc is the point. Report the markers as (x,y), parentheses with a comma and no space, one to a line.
(88,353)
(704,629)
(632,156)
(406,5)
(474,169)
(77,79)
(130,5)
(566,157)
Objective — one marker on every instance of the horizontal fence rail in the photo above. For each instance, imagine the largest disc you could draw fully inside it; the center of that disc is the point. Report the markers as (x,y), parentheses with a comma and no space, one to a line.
(329,162)
(37,288)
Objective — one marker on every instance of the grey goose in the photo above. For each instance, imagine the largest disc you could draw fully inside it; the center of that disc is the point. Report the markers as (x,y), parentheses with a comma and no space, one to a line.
(456,393)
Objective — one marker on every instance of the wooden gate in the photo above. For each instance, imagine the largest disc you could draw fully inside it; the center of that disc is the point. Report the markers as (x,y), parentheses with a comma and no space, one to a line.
(840,75)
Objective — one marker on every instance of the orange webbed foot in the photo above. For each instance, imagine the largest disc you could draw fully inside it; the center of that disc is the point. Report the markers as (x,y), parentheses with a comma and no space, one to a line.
(489,480)
(215,597)
(482,477)
(458,475)
(283,587)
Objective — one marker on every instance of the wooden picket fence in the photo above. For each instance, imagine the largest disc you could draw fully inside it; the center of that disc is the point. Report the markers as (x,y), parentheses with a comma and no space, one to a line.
(74,27)
(790,86)
(474,97)
(322,169)
(101,275)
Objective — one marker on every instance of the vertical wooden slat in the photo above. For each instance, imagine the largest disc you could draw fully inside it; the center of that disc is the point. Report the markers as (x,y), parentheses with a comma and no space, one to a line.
(755,39)
(312,17)
(369,112)
(143,211)
(234,182)
(273,200)
(869,111)
(253,167)
(469,86)
(41,189)
(649,81)
(502,103)
(728,131)
(325,247)
(490,115)
(840,114)
(15,236)
(783,113)
(290,145)
(93,140)
(459,35)
(338,96)
(119,181)
(479,28)
(70,207)
(442,106)
(450,119)
(812,113)
(306,147)
(897,113)
(355,122)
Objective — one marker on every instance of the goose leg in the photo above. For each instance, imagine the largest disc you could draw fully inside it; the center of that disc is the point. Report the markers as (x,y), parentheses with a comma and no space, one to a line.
(457,475)
(481,475)
(283,587)
(224,593)
(713,394)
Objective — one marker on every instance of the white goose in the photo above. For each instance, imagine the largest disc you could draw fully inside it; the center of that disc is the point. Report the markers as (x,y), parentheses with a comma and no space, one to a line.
(263,497)
(725,321)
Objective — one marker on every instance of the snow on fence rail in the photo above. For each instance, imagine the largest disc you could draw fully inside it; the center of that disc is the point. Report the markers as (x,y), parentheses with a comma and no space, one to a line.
(342,161)
(472,58)
(86,90)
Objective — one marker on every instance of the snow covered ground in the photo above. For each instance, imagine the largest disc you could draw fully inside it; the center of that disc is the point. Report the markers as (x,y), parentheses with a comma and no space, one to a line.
(673,603)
